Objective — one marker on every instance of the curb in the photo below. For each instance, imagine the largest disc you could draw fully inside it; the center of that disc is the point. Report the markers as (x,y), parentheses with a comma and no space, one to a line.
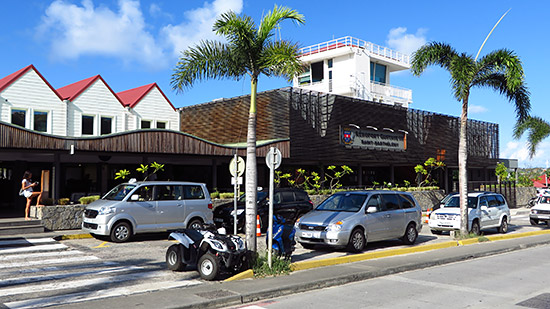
(75,236)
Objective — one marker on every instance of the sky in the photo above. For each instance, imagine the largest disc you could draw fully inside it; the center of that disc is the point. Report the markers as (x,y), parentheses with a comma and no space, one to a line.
(131,43)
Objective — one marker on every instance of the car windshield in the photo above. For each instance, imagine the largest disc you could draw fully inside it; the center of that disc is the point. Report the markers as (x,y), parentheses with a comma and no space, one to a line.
(544,200)
(343,202)
(261,196)
(119,192)
(455,202)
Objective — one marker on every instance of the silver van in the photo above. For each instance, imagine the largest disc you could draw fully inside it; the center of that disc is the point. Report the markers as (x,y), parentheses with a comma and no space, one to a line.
(350,219)
(149,206)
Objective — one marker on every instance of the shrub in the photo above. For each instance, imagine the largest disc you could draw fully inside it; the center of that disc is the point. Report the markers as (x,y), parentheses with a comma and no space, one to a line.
(279,266)
(85,200)
(227,195)
(63,201)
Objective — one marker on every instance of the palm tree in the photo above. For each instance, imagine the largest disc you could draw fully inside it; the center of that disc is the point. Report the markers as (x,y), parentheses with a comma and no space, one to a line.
(250,50)
(538,130)
(500,70)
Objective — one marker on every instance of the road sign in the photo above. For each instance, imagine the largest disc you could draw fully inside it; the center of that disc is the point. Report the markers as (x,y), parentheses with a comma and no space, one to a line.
(236,167)
(239,180)
(273,158)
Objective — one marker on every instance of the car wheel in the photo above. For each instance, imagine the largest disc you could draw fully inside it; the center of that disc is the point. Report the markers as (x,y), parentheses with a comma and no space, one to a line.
(195,224)
(307,246)
(410,234)
(356,241)
(121,232)
(475,228)
(174,259)
(503,228)
(436,232)
(208,266)
(534,221)
(99,237)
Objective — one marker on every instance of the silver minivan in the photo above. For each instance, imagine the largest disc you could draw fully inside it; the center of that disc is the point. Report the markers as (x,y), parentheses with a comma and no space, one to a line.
(148,206)
(350,219)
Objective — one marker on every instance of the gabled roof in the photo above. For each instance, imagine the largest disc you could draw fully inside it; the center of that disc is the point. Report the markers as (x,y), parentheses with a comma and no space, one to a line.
(130,98)
(72,91)
(8,80)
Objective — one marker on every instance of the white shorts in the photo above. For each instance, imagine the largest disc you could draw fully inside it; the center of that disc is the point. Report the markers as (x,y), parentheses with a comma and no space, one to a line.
(27,194)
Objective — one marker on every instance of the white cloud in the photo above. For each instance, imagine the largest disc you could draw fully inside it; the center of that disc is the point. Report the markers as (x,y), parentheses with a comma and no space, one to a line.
(519,150)
(399,39)
(476,109)
(85,29)
(198,24)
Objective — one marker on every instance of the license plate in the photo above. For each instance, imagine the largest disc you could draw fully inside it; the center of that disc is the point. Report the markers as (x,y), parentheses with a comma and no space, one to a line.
(445,222)
(218,219)
(311,234)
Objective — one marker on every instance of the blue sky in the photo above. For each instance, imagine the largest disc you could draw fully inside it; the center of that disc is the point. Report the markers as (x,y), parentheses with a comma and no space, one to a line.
(131,43)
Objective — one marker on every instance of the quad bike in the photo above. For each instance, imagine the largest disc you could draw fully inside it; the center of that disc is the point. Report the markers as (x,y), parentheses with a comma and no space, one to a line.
(213,252)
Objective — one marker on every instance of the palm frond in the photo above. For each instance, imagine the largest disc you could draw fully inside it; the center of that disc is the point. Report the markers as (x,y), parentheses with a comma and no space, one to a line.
(507,62)
(433,53)
(206,60)
(538,130)
(280,58)
(462,69)
(273,18)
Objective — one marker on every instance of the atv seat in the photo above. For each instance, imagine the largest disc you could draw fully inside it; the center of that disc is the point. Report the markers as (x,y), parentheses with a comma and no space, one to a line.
(195,235)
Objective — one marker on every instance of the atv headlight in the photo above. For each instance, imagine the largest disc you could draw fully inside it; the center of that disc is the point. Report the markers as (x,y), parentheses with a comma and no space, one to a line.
(104,210)
(239,242)
(334,227)
(218,245)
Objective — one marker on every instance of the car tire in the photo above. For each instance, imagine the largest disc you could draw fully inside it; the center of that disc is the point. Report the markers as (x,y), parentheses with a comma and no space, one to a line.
(208,266)
(534,222)
(410,234)
(174,259)
(121,232)
(99,237)
(195,224)
(503,228)
(437,232)
(357,241)
(475,228)
(308,246)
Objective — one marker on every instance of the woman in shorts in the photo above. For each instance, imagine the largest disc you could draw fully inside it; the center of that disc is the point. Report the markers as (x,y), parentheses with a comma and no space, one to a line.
(28,192)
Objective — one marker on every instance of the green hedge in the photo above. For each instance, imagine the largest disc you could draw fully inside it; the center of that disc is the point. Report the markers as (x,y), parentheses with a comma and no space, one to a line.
(88,199)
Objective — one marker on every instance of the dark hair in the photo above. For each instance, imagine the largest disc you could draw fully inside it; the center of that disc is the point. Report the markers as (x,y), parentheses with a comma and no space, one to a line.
(27,175)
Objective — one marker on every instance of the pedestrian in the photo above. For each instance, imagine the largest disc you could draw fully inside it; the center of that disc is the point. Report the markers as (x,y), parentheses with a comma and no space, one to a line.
(28,192)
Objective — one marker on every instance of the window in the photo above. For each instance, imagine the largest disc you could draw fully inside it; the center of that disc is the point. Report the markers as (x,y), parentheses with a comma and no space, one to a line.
(41,121)
(87,125)
(329,63)
(106,125)
(193,192)
(406,201)
(501,200)
(377,72)
(374,201)
(161,125)
(317,72)
(391,201)
(145,124)
(168,193)
(144,193)
(18,117)
(493,202)
(305,78)
(301,196)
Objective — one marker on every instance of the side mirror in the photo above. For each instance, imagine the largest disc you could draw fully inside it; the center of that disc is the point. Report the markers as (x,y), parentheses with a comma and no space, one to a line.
(372,209)
(134,197)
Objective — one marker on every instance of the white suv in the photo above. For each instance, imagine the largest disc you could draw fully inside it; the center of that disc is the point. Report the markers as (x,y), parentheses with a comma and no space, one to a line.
(541,210)
(485,210)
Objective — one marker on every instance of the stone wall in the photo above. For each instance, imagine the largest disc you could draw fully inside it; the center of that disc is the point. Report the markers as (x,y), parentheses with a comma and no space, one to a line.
(524,194)
(62,217)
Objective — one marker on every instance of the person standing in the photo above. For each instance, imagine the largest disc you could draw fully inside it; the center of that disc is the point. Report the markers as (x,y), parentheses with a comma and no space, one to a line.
(28,192)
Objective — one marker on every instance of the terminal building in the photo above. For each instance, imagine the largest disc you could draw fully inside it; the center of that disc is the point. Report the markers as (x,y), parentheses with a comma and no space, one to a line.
(341,110)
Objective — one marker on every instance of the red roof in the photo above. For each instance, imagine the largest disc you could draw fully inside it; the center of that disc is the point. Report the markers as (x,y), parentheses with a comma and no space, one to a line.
(541,181)
(131,97)
(72,91)
(8,80)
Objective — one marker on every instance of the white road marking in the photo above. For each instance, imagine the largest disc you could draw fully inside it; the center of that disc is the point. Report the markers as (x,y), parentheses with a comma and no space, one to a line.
(11,272)
(33,248)
(43,262)
(88,296)
(38,255)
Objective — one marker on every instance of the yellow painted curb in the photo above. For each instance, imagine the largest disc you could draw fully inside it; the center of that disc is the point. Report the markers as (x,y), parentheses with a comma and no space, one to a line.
(247,274)
(468,241)
(517,235)
(75,236)
(370,255)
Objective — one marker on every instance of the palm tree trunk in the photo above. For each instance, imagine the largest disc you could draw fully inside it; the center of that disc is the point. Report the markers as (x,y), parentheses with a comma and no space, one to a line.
(251,172)
(463,168)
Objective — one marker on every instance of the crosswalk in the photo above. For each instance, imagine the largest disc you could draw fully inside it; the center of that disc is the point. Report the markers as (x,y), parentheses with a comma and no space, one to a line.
(43,272)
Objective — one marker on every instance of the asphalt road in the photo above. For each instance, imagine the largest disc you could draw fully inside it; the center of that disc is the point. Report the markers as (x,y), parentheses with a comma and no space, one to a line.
(518,279)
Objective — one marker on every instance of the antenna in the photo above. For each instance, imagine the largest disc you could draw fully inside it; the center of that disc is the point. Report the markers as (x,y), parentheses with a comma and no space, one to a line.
(488,35)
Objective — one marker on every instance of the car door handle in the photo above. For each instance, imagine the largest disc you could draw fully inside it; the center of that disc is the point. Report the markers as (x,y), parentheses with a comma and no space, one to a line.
(387,216)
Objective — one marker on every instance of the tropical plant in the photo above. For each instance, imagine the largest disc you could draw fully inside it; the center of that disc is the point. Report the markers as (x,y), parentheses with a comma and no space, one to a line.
(500,70)
(426,170)
(250,50)
(501,171)
(123,174)
(537,129)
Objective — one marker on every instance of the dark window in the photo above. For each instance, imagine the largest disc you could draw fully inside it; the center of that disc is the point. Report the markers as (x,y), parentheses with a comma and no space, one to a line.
(41,121)
(483,201)
(377,72)
(301,196)
(493,202)
(305,78)
(501,200)
(87,125)
(317,72)
(144,193)
(374,201)
(161,125)
(106,125)
(391,201)
(288,196)
(329,63)
(406,201)
(145,124)
(18,117)
(169,193)
(329,74)
(191,192)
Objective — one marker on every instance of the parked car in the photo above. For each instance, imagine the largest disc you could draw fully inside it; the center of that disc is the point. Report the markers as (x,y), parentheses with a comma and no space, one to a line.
(291,203)
(485,210)
(541,210)
(441,203)
(149,206)
(350,219)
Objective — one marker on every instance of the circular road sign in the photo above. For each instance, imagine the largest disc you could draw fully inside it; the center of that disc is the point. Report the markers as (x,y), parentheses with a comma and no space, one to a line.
(236,167)
(273,158)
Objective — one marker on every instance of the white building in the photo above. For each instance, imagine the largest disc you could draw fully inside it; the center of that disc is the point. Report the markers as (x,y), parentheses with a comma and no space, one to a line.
(356,68)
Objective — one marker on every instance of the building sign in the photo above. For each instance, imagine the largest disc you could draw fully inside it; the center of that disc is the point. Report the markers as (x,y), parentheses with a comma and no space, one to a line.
(382,139)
